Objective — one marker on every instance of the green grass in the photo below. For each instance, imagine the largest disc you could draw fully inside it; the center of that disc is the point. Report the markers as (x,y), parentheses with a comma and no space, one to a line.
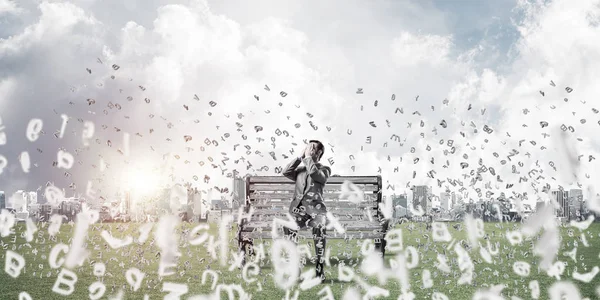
(414,234)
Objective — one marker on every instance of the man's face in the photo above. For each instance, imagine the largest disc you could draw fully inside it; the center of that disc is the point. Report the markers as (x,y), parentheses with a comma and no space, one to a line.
(316,152)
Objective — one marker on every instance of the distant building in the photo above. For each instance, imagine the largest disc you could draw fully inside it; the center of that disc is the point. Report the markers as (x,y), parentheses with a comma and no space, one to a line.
(33,208)
(94,203)
(400,205)
(459,201)
(403,200)
(186,211)
(70,208)
(401,212)
(20,200)
(562,198)
(195,200)
(218,205)
(33,198)
(218,209)
(445,201)
(539,205)
(164,200)
(11,200)
(235,205)
(575,204)
(471,207)
(422,197)
(239,190)
(123,202)
(45,211)
(2,200)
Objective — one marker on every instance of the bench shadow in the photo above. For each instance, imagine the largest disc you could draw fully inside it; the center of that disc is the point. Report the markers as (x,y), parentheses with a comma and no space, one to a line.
(334,264)
(334,281)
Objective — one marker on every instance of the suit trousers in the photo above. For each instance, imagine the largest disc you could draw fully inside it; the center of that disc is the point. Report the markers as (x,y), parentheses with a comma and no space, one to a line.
(316,221)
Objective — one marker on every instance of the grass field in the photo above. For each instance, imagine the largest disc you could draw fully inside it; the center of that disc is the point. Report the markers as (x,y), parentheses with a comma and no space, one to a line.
(37,279)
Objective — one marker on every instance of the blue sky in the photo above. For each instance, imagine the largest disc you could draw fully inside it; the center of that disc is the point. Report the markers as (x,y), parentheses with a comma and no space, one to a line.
(473,21)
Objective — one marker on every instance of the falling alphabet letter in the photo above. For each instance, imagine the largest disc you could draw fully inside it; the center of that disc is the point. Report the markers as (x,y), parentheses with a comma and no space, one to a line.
(65,119)
(65,160)
(33,129)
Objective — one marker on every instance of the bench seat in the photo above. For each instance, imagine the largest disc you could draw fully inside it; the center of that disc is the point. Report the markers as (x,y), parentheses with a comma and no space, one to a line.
(270,198)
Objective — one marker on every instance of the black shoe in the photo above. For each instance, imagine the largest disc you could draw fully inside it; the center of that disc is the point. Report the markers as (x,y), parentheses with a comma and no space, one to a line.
(322,278)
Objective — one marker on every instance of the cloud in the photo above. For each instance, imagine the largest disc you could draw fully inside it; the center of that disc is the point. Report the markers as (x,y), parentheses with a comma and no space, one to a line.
(552,50)
(8,7)
(429,49)
(216,72)
(57,20)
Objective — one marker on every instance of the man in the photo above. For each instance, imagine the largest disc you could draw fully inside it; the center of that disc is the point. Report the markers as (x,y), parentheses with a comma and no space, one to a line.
(308,207)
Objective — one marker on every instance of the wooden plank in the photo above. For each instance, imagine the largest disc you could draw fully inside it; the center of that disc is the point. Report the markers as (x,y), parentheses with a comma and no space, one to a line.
(339,215)
(331,180)
(265,204)
(369,196)
(353,218)
(351,208)
(331,206)
(371,227)
(343,212)
(306,235)
(373,230)
(333,201)
(364,224)
(328,203)
(341,219)
(349,226)
(291,187)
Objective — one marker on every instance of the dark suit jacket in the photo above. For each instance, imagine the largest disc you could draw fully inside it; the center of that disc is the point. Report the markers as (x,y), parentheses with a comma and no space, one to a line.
(314,175)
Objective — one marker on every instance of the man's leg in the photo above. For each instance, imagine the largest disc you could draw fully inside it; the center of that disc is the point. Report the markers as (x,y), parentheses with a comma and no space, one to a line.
(290,234)
(319,233)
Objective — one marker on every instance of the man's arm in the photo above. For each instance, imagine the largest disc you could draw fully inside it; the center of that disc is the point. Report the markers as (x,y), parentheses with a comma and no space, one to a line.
(290,170)
(315,173)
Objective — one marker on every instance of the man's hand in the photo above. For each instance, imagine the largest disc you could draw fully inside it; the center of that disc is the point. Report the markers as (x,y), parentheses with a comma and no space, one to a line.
(309,151)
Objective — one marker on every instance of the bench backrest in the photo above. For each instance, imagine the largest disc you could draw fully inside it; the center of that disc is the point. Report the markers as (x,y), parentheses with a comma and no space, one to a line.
(270,197)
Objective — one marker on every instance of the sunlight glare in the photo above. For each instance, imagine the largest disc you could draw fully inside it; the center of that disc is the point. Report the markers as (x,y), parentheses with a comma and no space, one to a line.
(141,182)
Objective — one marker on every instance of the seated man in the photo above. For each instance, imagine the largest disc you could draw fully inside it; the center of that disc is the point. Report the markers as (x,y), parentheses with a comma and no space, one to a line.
(308,207)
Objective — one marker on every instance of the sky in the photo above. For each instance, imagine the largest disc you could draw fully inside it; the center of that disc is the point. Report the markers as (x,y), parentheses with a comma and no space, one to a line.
(198,81)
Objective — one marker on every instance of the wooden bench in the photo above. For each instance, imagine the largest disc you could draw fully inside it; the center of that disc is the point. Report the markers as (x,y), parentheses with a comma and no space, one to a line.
(270,197)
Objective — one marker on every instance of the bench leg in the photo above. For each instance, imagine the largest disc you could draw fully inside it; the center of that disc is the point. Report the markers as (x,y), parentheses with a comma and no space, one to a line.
(380,243)
(319,236)
(247,247)
(380,246)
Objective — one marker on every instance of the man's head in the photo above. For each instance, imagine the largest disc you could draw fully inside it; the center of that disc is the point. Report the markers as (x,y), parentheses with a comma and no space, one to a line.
(320,149)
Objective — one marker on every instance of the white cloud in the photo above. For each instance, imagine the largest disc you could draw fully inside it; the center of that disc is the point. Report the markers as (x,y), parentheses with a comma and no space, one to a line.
(412,49)
(180,50)
(556,45)
(8,7)
(56,24)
